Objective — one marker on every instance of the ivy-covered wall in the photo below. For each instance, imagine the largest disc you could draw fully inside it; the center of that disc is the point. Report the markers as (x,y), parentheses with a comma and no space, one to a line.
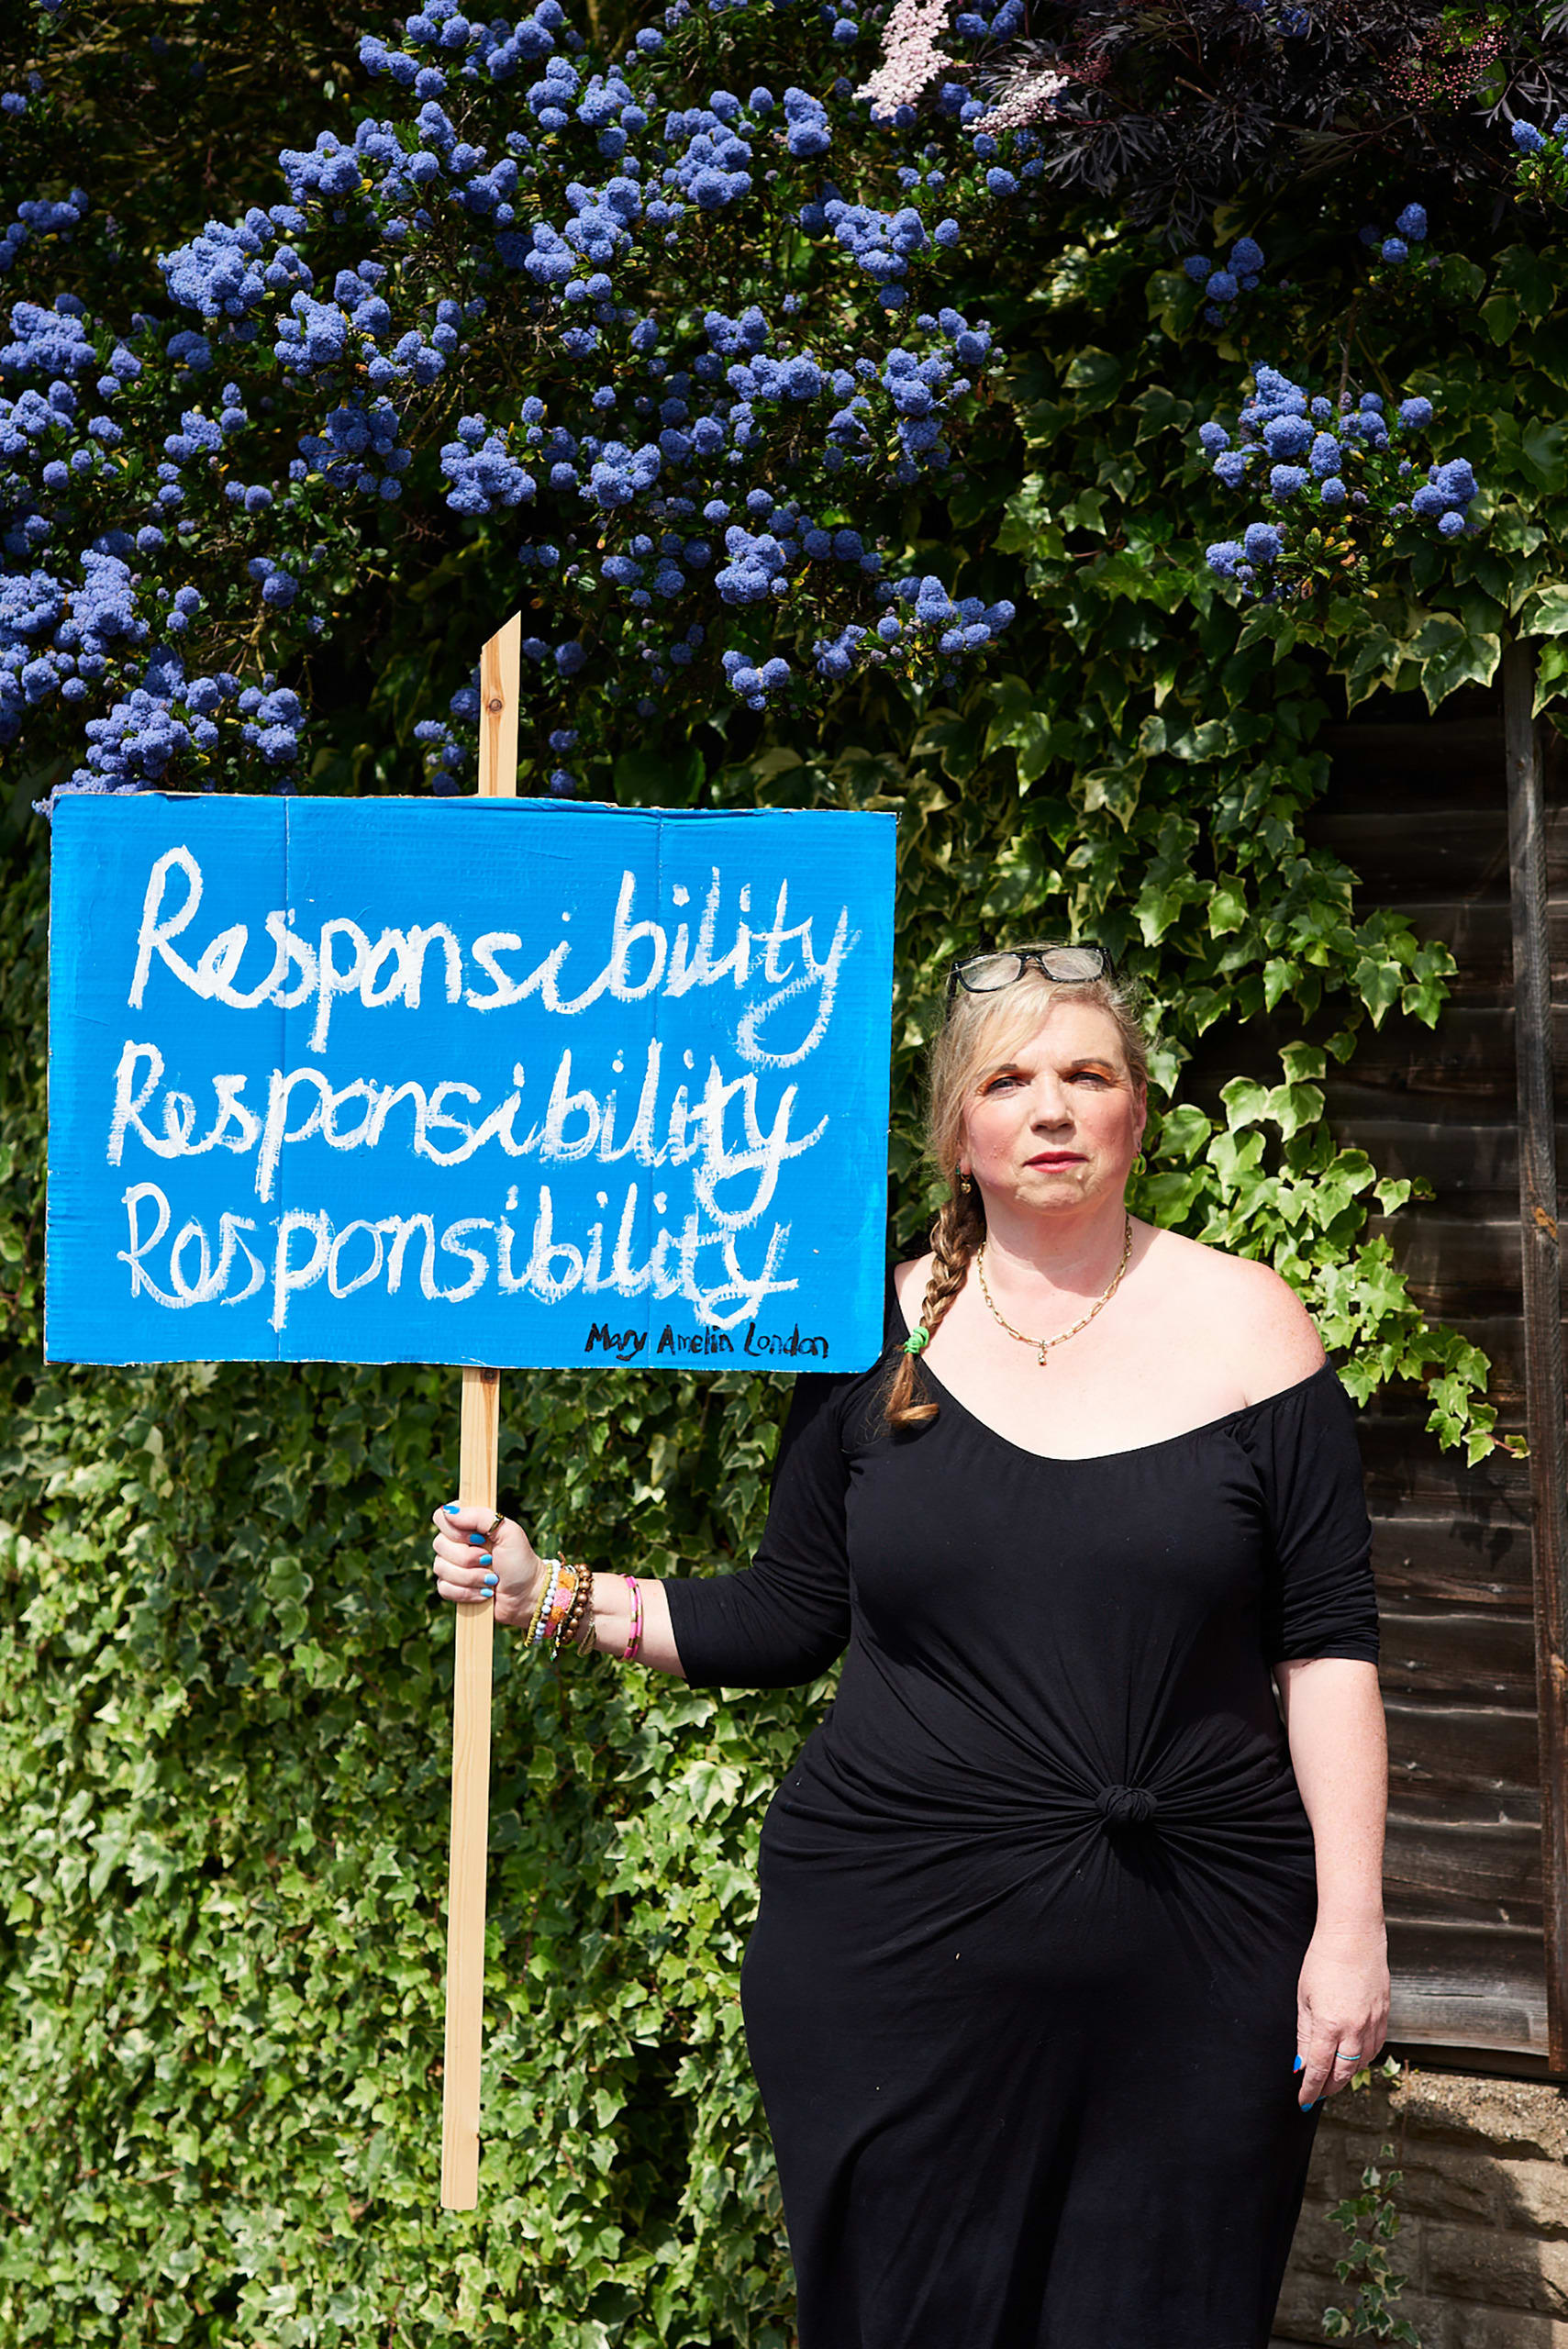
(224,1688)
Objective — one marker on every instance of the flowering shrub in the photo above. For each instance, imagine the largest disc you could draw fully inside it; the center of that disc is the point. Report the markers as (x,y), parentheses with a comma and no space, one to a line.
(1542,159)
(531,293)
(1333,479)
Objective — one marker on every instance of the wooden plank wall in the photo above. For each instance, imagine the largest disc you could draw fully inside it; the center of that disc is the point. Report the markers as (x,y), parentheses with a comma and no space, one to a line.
(1416,809)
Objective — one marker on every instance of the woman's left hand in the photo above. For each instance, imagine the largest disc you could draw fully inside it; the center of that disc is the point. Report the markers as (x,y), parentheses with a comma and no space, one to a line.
(1341,2003)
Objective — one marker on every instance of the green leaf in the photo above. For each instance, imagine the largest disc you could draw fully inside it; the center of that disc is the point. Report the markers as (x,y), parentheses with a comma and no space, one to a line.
(1292,1107)
(1461,279)
(1302,1061)
(1211,740)
(1278,978)
(1541,448)
(1183,1131)
(1551,667)
(1158,411)
(1024,517)
(1500,315)
(1378,983)
(1097,374)
(1528,275)
(1545,613)
(1086,512)
(1447,654)
(1246,1102)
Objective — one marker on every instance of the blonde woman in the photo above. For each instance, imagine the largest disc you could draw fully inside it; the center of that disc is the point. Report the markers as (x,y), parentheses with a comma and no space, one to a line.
(1071,1910)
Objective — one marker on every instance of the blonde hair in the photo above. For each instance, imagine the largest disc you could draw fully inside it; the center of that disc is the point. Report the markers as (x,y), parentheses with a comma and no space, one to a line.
(980,1032)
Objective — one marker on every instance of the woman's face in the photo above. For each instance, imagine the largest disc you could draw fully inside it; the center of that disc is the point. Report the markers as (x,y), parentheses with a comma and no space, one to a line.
(1058,1124)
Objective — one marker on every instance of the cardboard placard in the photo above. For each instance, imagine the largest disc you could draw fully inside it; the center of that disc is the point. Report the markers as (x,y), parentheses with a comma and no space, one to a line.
(490,1081)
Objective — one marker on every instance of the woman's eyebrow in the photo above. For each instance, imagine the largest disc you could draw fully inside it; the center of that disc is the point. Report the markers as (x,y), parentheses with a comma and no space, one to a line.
(1087,1061)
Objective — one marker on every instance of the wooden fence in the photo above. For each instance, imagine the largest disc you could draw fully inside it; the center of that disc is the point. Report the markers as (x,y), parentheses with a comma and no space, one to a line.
(1419,809)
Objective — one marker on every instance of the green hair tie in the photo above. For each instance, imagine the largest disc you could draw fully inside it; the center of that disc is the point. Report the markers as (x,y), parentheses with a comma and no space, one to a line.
(918,1337)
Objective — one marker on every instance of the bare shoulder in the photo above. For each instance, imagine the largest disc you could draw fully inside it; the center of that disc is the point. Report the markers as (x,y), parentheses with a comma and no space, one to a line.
(1253,1319)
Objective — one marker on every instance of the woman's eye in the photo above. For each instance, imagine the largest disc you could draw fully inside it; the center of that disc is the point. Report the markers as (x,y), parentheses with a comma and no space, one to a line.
(994,1082)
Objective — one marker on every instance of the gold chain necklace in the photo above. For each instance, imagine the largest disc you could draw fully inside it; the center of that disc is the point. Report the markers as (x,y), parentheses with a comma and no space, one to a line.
(1045,1345)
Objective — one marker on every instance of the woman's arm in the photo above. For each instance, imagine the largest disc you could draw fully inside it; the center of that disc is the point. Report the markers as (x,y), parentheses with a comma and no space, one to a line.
(510,1572)
(776,1623)
(1339,1748)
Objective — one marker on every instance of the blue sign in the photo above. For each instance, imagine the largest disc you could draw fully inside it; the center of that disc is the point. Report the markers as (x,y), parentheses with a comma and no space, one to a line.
(499,1081)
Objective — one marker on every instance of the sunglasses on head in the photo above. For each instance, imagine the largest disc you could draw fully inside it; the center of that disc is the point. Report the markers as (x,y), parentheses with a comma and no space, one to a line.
(1068,964)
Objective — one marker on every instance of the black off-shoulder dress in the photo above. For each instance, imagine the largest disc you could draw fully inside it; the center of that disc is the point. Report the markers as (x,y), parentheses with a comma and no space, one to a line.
(1021,1994)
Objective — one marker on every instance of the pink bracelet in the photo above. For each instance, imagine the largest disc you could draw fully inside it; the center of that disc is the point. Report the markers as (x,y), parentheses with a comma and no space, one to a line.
(628,1653)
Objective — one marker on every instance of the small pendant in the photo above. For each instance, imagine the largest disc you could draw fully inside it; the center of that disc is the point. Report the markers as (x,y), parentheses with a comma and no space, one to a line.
(1042,1354)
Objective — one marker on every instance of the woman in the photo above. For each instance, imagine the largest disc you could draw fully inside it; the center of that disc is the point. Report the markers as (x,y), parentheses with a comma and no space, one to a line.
(1063,1932)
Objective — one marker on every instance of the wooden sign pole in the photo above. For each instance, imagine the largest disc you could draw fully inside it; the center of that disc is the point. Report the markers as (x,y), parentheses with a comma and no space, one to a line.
(499,668)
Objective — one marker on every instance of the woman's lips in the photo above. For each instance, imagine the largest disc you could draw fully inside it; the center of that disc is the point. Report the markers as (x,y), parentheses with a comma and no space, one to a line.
(1058,1158)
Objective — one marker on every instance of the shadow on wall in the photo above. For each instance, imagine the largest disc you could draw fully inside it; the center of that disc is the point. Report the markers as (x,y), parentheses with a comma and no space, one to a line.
(1484,2205)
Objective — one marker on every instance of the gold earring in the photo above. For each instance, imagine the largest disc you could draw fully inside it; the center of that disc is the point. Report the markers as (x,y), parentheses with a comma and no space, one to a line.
(964,1184)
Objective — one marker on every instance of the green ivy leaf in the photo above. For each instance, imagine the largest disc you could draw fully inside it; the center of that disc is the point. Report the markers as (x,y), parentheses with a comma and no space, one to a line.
(1246,1102)
(1183,1130)
(1447,654)
(1529,276)
(1545,613)
(1098,375)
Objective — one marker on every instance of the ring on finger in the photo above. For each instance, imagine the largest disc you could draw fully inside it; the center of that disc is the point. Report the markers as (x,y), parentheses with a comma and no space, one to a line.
(496,1523)
(1341,2057)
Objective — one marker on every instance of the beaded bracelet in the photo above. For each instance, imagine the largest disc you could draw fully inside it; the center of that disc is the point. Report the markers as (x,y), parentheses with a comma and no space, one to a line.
(541,1626)
(587,1630)
(571,1624)
(531,1631)
(628,1653)
(558,1609)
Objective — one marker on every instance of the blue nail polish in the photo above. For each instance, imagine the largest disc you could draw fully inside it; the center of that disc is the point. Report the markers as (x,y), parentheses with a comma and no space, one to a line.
(1299,2065)
(490,1581)
(451,1509)
(476,1541)
(486,1559)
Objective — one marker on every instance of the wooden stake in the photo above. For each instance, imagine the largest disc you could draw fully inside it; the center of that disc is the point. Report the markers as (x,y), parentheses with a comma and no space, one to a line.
(1543,1309)
(500,665)
(499,668)
(471,1819)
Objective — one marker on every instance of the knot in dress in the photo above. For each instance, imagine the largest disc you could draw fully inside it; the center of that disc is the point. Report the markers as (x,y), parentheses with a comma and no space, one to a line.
(1021,1993)
(1126,1806)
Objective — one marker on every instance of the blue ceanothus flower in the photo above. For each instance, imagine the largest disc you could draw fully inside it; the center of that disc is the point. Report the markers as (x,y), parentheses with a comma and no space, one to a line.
(1225,282)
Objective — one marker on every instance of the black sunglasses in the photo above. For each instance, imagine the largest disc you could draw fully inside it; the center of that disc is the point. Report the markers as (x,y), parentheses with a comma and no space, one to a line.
(1069,965)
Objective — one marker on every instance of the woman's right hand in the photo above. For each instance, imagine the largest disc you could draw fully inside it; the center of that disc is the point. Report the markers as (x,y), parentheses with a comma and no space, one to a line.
(468,1567)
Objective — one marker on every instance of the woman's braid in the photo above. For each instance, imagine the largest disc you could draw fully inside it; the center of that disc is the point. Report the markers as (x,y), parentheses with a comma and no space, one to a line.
(956,1234)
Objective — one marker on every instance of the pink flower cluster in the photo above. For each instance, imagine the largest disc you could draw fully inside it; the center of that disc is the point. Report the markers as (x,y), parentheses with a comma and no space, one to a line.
(910,58)
(1024,104)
